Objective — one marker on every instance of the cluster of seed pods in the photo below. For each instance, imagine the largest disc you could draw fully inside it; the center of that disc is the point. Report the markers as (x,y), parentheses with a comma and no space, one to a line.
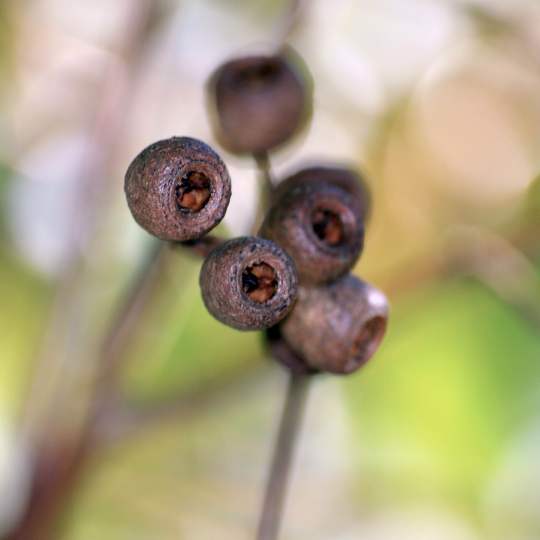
(293,278)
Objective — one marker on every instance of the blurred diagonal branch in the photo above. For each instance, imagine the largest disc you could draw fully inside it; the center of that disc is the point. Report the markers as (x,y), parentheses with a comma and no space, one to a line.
(502,267)
(67,325)
(266,186)
(289,21)
(61,442)
(501,263)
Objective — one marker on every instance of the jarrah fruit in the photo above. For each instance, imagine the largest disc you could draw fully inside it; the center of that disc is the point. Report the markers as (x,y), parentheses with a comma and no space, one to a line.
(337,328)
(259,102)
(248,283)
(320,226)
(178,189)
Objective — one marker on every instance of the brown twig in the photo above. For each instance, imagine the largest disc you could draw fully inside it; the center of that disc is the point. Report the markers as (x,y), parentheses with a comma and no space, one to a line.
(144,283)
(266,187)
(202,246)
(61,450)
(274,499)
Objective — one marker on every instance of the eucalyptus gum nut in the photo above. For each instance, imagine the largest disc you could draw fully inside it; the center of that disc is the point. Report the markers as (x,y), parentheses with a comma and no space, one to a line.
(320,226)
(178,189)
(345,178)
(257,103)
(338,327)
(248,283)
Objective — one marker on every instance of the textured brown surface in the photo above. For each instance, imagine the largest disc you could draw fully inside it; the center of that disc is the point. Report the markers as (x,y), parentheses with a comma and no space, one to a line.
(337,327)
(320,226)
(344,177)
(228,292)
(178,189)
(282,353)
(259,102)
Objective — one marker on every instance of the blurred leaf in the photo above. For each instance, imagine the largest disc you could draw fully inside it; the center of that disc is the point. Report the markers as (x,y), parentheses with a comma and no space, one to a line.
(25,300)
(533,200)
(487,24)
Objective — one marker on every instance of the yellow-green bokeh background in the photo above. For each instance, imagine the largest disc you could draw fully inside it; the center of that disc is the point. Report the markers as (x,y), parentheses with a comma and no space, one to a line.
(438,101)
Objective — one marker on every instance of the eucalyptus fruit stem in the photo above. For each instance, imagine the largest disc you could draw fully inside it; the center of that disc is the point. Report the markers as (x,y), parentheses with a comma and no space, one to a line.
(276,488)
(266,187)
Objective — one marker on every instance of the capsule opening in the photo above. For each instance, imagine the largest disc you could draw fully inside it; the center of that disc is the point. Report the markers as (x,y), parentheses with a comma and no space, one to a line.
(259,282)
(328,226)
(193,192)
(258,76)
(367,341)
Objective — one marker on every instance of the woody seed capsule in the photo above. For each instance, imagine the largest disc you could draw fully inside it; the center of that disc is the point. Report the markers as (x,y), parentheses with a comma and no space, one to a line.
(320,226)
(259,102)
(338,327)
(248,283)
(178,189)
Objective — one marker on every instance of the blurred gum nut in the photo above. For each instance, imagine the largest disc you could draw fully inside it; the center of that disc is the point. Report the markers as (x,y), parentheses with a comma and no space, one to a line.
(320,226)
(259,102)
(339,327)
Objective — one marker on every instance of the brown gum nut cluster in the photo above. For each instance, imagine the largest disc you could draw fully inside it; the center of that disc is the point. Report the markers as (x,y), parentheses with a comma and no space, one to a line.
(178,189)
(338,321)
(259,102)
(248,283)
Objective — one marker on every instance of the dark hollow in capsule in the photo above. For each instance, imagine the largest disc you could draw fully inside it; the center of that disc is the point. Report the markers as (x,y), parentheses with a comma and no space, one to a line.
(193,192)
(178,189)
(328,227)
(320,226)
(338,327)
(259,282)
(248,283)
(259,102)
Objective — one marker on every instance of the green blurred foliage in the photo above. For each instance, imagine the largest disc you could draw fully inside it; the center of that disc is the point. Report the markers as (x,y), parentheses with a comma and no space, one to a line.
(456,380)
